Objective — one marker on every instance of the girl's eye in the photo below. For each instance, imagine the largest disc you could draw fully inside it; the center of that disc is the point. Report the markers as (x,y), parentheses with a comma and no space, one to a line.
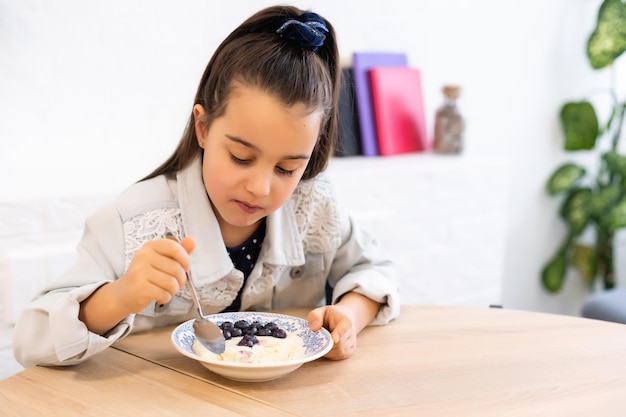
(281,171)
(285,172)
(239,161)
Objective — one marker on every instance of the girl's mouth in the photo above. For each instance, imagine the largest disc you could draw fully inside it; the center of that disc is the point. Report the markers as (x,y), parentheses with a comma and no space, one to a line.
(247,207)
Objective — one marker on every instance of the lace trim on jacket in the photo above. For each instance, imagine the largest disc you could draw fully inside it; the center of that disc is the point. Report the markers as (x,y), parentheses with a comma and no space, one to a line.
(317,216)
(155,224)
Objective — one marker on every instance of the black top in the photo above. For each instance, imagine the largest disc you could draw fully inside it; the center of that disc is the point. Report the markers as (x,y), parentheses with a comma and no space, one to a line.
(244,257)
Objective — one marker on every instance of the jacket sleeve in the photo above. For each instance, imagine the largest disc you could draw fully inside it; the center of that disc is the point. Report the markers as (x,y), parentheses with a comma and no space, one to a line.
(361,265)
(48,331)
(358,263)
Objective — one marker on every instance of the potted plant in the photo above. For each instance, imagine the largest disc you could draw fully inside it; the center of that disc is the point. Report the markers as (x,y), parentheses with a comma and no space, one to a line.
(595,199)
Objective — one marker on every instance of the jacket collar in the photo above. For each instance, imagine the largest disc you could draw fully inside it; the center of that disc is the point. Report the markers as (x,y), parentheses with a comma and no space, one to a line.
(282,244)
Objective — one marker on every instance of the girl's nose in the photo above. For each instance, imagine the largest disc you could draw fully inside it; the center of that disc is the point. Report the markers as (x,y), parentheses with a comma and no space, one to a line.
(259,183)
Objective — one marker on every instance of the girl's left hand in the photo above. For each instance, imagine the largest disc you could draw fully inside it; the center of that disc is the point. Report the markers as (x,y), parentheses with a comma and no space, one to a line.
(342,327)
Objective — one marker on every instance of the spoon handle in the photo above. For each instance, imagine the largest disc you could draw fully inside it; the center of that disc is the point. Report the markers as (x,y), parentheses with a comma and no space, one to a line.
(192,289)
(194,295)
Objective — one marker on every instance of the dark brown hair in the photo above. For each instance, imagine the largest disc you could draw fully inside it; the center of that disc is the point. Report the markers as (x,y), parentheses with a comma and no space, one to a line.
(255,55)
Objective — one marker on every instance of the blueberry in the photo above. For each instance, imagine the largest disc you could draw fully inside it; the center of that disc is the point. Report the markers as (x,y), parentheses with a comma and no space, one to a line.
(250,331)
(279,333)
(248,340)
(264,331)
(242,324)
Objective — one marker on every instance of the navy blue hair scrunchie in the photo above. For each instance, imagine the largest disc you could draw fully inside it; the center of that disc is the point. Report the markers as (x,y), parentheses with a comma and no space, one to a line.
(309,30)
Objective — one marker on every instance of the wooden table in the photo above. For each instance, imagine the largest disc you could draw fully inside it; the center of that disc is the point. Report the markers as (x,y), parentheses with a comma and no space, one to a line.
(116,383)
(432,361)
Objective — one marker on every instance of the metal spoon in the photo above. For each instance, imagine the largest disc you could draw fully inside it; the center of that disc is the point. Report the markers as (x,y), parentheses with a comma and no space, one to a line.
(207,333)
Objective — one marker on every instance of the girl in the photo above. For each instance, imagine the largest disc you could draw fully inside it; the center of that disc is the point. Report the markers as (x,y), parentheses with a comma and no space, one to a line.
(244,192)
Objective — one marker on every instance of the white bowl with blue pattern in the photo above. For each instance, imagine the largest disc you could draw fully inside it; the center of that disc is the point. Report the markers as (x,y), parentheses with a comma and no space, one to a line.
(316,344)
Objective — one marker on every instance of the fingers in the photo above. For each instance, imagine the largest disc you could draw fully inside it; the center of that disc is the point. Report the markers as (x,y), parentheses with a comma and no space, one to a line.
(167,282)
(341,328)
(344,337)
(156,272)
(162,296)
(344,349)
(189,244)
(316,318)
(162,263)
(162,260)
(174,263)
(329,317)
(172,248)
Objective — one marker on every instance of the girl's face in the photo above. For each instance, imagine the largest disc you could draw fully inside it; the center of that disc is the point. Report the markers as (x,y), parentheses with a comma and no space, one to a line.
(254,157)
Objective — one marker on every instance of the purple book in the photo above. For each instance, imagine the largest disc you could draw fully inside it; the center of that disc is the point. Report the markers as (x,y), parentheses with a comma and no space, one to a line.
(362,62)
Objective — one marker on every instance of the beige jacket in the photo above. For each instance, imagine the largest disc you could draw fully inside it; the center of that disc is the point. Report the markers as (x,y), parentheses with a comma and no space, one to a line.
(308,242)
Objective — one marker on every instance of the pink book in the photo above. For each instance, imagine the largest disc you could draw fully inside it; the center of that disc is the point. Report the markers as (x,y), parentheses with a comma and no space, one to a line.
(398,108)
(362,62)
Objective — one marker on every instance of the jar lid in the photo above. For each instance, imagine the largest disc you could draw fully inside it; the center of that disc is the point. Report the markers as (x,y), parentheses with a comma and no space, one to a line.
(452,91)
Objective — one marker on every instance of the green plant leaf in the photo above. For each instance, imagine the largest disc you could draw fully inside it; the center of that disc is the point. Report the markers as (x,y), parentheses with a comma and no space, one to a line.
(608,40)
(580,125)
(553,273)
(576,209)
(603,198)
(616,216)
(564,178)
(615,163)
(584,260)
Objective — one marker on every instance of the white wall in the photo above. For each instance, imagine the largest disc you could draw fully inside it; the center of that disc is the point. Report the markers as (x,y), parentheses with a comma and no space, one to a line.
(93,95)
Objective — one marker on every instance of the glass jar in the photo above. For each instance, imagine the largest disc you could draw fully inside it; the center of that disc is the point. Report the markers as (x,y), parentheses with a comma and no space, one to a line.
(449,124)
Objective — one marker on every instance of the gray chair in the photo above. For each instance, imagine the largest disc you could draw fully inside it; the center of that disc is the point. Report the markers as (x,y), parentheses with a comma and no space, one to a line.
(607,305)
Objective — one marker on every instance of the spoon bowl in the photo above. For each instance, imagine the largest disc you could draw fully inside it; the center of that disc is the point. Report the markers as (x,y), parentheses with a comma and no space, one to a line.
(208,333)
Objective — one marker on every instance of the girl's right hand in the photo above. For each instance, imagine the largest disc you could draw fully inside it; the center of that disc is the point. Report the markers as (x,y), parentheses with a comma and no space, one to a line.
(156,272)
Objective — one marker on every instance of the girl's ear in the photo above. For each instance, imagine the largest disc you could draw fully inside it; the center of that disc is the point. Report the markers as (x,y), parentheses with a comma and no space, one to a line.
(200,123)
